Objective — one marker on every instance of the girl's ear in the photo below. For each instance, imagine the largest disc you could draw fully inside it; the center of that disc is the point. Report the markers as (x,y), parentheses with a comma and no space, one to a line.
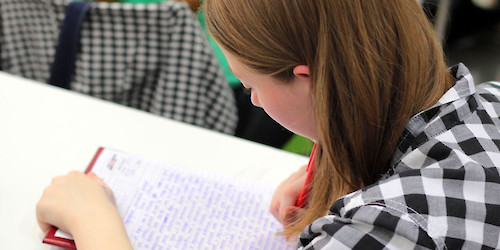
(302,72)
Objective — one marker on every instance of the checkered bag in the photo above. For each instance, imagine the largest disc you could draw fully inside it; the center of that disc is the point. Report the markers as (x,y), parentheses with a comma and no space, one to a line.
(153,57)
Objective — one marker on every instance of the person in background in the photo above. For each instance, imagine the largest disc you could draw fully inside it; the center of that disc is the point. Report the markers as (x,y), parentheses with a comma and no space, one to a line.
(253,122)
(407,150)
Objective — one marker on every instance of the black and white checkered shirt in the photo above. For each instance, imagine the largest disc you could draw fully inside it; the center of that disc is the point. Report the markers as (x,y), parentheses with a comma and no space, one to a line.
(153,57)
(442,190)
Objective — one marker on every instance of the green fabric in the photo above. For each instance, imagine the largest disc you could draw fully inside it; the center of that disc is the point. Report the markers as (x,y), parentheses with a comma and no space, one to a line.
(299,145)
(232,80)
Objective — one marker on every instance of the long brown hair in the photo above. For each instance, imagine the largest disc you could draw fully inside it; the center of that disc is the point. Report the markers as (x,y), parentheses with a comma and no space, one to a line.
(373,63)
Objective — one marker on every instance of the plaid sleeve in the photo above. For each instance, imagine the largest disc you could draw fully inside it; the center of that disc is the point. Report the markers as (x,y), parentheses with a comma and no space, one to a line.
(389,215)
(368,227)
(453,203)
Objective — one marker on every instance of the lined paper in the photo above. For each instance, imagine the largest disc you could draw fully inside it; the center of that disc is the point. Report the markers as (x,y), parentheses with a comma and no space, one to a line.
(169,207)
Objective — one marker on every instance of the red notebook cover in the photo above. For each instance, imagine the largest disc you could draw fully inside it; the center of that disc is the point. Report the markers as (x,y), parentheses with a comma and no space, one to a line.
(51,238)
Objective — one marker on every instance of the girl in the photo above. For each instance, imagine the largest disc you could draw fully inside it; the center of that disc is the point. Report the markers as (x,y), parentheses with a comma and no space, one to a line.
(407,152)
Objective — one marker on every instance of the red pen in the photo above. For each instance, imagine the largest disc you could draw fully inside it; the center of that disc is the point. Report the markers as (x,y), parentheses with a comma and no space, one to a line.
(302,198)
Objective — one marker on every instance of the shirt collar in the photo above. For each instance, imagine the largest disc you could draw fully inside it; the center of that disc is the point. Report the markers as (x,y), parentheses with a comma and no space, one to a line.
(462,89)
(464,85)
(412,136)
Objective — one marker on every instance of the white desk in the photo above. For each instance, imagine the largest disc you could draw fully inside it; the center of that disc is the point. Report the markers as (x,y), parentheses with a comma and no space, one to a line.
(46,131)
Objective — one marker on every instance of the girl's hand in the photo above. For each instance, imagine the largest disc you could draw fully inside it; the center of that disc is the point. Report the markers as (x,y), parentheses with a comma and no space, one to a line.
(84,207)
(283,202)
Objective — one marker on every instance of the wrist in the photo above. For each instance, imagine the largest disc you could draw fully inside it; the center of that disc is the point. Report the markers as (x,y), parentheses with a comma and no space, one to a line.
(103,230)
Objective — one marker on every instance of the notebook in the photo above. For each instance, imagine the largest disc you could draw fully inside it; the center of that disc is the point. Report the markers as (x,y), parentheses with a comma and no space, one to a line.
(164,206)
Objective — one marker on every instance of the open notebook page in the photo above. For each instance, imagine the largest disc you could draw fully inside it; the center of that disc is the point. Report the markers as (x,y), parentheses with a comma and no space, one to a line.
(169,207)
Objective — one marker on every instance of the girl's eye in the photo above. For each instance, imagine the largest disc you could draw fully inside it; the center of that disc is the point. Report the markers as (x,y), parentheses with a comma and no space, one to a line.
(247,91)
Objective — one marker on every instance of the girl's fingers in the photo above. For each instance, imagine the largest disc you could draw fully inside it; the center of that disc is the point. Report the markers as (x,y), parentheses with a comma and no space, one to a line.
(286,194)
(289,197)
(70,199)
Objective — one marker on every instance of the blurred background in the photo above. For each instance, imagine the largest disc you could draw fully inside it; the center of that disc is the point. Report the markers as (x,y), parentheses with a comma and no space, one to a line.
(470,31)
